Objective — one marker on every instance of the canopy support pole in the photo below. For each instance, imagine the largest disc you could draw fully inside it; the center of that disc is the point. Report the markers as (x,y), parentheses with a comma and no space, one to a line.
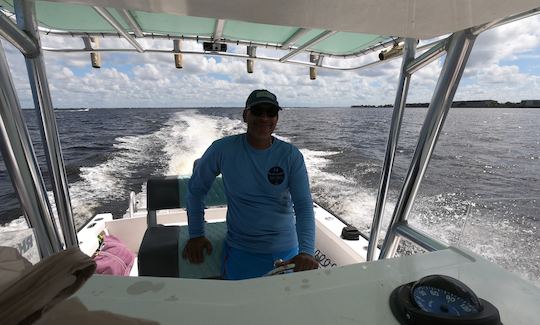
(218,30)
(26,19)
(459,48)
(18,38)
(22,165)
(317,39)
(128,18)
(294,37)
(105,14)
(399,106)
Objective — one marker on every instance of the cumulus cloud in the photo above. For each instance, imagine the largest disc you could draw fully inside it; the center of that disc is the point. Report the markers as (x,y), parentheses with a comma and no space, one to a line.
(141,80)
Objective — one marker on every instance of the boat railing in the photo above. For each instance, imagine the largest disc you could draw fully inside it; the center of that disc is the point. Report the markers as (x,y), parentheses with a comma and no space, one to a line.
(132,208)
(418,237)
(458,47)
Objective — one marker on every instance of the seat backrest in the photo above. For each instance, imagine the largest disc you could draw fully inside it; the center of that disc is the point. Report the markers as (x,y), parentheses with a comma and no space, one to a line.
(162,192)
(169,192)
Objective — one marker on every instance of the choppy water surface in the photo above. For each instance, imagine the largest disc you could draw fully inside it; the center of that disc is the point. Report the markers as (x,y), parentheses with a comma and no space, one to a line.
(481,191)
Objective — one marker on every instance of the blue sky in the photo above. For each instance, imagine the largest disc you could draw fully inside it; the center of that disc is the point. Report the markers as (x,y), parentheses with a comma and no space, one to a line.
(504,66)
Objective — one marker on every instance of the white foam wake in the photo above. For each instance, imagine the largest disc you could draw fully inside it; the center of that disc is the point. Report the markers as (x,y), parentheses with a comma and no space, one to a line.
(188,134)
(185,138)
(342,194)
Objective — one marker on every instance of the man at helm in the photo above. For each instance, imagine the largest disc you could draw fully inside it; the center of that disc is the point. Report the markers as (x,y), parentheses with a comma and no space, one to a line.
(270,210)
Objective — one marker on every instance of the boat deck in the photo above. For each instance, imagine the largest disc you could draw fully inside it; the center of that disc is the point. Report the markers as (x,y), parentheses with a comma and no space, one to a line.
(331,249)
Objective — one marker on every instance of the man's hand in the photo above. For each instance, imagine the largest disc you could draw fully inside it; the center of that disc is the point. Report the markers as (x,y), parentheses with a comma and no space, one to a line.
(302,262)
(194,249)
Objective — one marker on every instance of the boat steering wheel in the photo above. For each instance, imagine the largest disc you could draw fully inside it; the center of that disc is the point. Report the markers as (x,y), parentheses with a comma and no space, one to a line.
(280,269)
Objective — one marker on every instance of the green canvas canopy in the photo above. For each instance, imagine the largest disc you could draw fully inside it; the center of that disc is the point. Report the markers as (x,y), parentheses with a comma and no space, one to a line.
(77,18)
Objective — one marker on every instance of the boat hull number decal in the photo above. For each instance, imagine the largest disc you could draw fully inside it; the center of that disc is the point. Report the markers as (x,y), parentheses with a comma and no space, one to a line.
(25,245)
(324,260)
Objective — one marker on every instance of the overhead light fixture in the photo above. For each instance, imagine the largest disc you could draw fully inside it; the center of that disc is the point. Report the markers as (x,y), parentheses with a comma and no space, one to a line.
(314,58)
(92,43)
(251,52)
(214,47)
(396,50)
(178,57)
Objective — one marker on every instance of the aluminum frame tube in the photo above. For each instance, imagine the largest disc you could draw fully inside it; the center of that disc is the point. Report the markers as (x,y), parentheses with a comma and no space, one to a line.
(105,14)
(130,20)
(294,37)
(427,57)
(13,34)
(37,76)
(459,49)
(232,55)
(480,29)
(218,30)
(393,137)
(419,238)
(22,165)
(374,48)
(317,39)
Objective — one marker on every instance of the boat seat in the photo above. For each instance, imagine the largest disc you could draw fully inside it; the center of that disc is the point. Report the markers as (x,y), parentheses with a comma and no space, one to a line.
(158,253)
(161,248)
(211,267)
(214,198)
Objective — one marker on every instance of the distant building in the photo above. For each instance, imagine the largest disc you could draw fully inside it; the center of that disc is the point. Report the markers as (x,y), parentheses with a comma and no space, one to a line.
(530,103)
(475,103)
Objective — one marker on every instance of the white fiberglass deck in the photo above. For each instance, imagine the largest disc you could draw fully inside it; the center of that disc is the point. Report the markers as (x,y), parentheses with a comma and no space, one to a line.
(353,294)
(331,249)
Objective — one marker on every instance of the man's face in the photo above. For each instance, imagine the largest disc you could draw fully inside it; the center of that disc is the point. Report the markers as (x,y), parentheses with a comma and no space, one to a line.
(261,120)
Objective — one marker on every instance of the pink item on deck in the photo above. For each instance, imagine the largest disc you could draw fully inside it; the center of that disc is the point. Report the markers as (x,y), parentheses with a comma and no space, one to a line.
(114,258)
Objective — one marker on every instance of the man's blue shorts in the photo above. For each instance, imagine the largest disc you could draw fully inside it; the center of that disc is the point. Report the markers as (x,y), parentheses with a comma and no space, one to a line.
(238,264)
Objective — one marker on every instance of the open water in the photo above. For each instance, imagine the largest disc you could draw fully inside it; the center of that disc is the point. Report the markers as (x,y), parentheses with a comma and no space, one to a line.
(481,190)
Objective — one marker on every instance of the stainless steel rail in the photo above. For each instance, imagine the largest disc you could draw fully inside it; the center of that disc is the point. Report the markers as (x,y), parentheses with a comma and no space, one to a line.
(386,173)
(234,55)
(22,41)
(317,39)
(419,238)
(105,14)
(26,19)
(132,208)
(128,18)
(497,23)
(197,38)
(460,45)
(218,30)
(293,38)
(22,165)
(427,57)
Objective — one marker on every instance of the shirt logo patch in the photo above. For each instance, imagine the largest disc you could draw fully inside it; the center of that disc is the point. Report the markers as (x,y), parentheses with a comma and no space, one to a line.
(276,175)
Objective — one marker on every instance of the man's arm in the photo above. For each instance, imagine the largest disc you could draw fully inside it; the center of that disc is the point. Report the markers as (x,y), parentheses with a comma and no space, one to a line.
(305,217)
(205,172)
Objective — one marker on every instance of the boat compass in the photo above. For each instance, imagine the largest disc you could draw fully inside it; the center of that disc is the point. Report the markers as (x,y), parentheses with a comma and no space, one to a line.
(442,300)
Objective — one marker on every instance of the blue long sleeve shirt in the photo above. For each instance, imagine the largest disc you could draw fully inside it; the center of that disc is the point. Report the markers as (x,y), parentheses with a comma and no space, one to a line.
(270,208)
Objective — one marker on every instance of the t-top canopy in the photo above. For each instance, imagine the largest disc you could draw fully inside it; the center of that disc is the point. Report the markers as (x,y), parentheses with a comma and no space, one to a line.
(419,19)
(351,26)
(84,19)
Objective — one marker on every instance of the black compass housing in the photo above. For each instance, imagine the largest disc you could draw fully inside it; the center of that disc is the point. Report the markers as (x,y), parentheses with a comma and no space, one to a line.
(408,311)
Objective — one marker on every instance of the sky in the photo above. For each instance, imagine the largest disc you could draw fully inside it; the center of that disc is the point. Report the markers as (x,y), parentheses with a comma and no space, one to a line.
(504,66)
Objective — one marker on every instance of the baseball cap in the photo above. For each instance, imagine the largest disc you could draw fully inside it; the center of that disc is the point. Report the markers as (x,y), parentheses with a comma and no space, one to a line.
(262,96)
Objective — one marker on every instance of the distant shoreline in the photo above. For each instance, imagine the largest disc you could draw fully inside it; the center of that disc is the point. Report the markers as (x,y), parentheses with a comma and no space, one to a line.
(535,103)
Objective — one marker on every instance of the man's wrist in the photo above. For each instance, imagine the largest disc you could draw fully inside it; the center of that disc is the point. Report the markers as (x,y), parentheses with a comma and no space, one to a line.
(306,252)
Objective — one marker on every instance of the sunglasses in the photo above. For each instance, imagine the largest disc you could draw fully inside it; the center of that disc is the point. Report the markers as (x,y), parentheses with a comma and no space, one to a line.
(261,110)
